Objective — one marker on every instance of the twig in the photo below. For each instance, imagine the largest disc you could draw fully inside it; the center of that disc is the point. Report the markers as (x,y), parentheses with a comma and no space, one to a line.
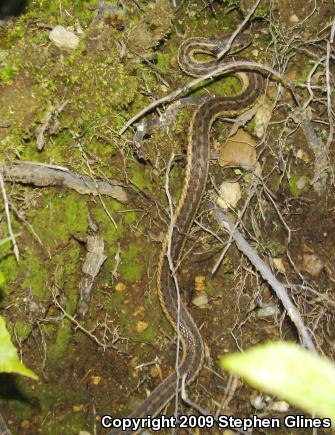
(23,219)
(198,408)
(238,30)
(229,242)
(174,276)
(52,114)
(76,137)
(79,326)
(94,260)
(49,175)
(266,273)
(9,222)
(329,88)
(234,65)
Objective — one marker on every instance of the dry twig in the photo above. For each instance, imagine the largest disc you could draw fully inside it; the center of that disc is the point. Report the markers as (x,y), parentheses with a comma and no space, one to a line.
(43,175)
(9,222)
(266,273)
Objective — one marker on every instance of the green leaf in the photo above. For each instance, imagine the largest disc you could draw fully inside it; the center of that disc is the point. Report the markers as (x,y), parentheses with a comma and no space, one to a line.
(300,377)
(9,360)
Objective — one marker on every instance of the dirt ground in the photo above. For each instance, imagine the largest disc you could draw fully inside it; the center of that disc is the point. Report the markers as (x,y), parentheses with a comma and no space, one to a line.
(63,108)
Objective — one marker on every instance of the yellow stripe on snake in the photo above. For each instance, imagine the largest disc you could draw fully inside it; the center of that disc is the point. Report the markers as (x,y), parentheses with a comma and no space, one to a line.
(196,174)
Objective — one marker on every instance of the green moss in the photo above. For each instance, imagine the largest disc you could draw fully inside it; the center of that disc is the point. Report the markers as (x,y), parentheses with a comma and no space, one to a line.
(58,349)
(72,422)
(35,275)
(298,184)
(276,248)
(229,278)
(61,216)
(13,388)
(183,120)
(22,329)
(226,22)
(65,264)
(131,267)
(225,86)
(130,217)
(6,74)
(64,332)
(154,317)
(304,73)
(72,259)
(114,300)
(163,61)
(210,289)
(9,268)
(176,182)
(276,182)
(23,409)
(250,127)
(148,334)
(110,233)
(139,176)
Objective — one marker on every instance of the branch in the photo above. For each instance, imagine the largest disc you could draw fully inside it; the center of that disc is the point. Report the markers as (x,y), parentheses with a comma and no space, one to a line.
(9,222)
(266,273)
(43,175)
(222,69)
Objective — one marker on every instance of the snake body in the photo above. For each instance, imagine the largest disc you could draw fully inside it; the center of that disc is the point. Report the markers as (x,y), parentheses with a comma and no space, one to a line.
(194,184)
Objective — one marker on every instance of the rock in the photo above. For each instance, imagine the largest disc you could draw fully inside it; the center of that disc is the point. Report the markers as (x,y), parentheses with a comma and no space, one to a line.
(120,287)
(141,326)
(294,19)
(200,300)
(63,38)
(280,406)
(230,194)
(239,151)
(200,283)
(262,117)
(267,310)
(313,264)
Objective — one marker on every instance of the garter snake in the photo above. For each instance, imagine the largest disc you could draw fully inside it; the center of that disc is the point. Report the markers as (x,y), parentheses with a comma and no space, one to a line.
(194,184)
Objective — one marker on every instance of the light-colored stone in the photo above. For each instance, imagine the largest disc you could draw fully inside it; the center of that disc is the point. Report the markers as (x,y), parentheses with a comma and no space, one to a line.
(239,151)
(294,19)
(313,264)
(200,300)
(230,194)
(63,38)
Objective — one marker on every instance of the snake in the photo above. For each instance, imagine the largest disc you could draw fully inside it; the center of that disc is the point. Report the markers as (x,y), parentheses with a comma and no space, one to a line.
(196,173)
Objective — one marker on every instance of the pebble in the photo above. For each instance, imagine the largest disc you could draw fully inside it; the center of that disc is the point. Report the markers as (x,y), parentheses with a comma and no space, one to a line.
(200,300)
(230,194)
(200,283)
(294,19)
(267,310)
(96,380)
(141,326)
(62,38)
(313,264)
(239,151)
(120,287)
(280,406)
